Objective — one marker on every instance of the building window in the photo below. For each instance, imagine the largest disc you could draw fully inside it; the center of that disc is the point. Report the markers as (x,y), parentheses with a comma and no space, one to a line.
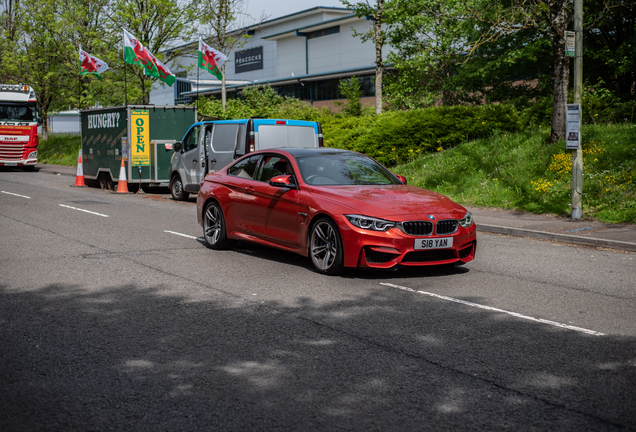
(180,87)
(325,89)
(323,32)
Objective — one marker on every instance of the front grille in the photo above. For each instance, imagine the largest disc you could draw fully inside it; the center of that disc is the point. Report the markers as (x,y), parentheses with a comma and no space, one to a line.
(11,151)
(418,228)
(376,257)
(429,255)
(447,227)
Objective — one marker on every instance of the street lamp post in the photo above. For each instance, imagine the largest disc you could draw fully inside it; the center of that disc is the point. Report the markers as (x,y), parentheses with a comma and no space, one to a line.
(577,155)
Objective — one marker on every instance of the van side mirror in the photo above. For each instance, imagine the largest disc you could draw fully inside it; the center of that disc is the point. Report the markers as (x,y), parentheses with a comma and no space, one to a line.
(177,146)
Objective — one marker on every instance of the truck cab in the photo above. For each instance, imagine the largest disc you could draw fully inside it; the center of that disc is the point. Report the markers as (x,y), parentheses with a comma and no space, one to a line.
(211,145)
(19,119)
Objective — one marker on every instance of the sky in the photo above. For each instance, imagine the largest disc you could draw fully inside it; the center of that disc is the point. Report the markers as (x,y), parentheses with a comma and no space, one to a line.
(277,8)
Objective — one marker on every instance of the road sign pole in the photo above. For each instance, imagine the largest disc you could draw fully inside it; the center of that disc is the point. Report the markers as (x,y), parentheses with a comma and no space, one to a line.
(577,154)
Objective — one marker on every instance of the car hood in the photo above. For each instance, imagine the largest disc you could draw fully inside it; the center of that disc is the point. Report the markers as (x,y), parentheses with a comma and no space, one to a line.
(397,201)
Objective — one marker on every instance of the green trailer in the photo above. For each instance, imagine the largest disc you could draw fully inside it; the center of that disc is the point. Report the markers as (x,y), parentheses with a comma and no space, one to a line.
(140,134)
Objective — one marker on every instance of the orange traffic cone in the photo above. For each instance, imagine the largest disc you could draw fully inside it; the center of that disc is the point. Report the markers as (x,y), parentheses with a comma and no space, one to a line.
(79,180)
(122,186)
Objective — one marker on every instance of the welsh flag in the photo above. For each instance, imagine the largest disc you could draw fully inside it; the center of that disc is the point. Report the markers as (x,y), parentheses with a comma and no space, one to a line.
(211,59)
(91,65)
(136,53)
(165,74)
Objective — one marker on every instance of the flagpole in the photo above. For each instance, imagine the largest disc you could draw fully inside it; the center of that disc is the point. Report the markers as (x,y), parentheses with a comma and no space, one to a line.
(123,42)
(198,67)
(79,98)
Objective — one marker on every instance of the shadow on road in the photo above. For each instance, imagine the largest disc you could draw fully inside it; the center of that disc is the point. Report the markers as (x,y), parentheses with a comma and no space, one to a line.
(127,358)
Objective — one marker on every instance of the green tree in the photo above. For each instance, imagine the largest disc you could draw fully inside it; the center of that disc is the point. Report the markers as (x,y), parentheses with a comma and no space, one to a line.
(376,13)
(224,28)
(158,24)
(352,91)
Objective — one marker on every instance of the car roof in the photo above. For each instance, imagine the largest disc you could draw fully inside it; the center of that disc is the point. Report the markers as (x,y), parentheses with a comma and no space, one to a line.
(311,151)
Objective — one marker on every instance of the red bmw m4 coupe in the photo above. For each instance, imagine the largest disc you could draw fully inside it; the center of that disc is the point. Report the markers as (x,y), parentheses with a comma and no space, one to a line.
(340,208)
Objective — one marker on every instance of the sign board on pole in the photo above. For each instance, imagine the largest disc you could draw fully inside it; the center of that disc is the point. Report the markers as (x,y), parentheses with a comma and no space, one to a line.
(140,142)
(573,128)
(570,39)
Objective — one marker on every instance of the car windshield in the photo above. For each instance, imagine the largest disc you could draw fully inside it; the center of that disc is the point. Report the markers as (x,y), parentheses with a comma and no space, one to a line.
(343,169)
(18,111)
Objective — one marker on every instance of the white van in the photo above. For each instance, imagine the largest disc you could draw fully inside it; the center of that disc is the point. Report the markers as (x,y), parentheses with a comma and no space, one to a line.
(211,145)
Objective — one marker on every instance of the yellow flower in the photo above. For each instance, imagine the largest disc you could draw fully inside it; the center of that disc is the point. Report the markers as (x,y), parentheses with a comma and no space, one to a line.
(439,149)
(483,122)
(410,150)
(595,115)
(606,190)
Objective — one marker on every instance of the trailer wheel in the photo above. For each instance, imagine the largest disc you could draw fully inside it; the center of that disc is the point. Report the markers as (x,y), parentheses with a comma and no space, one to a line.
(176,188)
(105,182)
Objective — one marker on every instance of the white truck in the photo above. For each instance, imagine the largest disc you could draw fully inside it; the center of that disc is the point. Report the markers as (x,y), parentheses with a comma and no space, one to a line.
(19,119)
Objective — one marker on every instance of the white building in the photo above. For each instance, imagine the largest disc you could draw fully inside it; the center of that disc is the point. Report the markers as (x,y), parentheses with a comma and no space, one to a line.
(304,55)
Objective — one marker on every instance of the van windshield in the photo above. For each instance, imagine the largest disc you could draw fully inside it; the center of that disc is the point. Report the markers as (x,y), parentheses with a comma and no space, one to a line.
(279,136)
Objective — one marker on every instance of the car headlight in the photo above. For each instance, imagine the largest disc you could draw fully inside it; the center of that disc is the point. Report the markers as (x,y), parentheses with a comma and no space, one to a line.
(370,223)
(467,220)
(33,155)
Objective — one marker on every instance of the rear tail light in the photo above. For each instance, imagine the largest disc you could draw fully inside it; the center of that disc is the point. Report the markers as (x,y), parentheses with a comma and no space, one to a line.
(251,146)
(319,140)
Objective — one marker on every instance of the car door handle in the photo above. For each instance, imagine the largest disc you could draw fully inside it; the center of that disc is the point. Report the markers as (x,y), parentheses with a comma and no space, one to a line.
(213,161)
(194,161)
(249,190)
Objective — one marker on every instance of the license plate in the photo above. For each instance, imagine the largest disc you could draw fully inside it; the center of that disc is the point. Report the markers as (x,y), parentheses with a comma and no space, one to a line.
(10,164)
(434,243)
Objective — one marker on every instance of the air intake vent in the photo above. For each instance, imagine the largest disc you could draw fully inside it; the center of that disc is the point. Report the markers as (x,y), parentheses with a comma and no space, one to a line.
(430,255)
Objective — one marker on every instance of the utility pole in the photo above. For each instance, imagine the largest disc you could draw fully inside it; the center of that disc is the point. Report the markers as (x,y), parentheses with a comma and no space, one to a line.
(577,155)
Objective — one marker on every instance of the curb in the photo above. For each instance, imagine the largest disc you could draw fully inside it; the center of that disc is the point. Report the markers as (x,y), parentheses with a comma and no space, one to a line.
(55,172)
(563,238)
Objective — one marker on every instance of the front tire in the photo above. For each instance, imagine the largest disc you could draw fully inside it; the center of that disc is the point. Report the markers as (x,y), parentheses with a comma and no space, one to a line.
(176,189)
(325,247)
(214,227)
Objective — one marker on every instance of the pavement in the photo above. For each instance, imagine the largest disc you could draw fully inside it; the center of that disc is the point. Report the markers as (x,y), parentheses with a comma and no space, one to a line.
(514,223)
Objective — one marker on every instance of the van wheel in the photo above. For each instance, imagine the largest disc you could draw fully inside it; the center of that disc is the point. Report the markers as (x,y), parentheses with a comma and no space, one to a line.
(176,188)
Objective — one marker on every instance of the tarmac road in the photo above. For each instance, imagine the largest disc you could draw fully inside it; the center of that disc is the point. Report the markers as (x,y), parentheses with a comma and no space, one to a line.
(113,316)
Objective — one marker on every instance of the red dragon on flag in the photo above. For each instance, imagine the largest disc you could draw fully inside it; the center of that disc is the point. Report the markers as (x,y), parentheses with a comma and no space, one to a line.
(91,65)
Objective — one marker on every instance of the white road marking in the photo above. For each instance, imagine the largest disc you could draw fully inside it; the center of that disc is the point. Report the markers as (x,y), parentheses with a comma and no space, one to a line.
(182,235)
(85,211)
(515,314)
(15,194)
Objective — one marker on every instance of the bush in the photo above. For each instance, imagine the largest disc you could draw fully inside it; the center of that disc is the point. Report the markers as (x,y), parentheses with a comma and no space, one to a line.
(398,136)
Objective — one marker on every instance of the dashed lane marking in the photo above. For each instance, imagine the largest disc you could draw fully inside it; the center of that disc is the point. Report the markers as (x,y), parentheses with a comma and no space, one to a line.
(515,314)
(82,210)
(15,194)
(179,234)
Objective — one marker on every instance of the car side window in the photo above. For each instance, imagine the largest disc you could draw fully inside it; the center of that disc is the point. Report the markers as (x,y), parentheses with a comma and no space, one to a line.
(192,139)
(244,168)
(273,166)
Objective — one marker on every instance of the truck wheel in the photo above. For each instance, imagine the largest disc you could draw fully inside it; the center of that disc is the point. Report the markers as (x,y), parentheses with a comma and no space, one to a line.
(176,188)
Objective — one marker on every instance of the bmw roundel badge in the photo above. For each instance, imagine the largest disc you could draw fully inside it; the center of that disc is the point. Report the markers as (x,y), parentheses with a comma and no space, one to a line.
(431,217)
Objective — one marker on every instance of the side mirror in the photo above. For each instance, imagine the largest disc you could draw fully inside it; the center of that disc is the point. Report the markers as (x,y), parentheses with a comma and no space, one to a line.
(401,178)
(177,146)
(283,181)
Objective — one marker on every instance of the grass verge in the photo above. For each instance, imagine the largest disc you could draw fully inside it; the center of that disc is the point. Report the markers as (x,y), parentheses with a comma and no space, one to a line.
(59,149)
(521,171)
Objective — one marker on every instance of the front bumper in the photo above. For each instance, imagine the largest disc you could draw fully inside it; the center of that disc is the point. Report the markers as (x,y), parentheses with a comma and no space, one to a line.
(385,250)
